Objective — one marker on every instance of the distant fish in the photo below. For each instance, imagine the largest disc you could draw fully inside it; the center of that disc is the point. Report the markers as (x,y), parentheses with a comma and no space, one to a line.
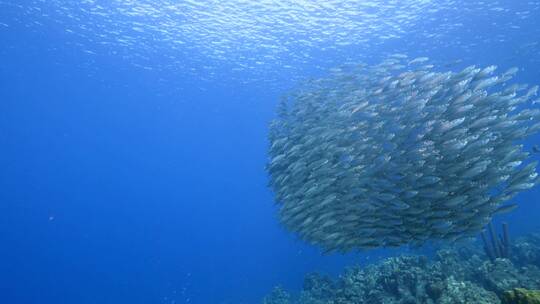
(418,60)
(505,209)
(452,63)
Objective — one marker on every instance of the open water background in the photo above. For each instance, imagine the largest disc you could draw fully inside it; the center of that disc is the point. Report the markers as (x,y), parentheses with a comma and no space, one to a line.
(133,135)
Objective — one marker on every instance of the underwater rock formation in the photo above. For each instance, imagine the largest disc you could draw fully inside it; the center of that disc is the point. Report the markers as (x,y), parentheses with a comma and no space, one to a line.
(527,251)
(521,296)
(503,275)
(453,275)
(277,296)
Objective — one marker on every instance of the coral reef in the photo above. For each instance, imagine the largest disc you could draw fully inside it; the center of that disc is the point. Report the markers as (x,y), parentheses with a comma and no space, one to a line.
(277,296)
(521,296)
(527,251)
(464,274)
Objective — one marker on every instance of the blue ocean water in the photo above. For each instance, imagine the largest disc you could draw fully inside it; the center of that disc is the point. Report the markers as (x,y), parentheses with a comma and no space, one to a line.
(133,135)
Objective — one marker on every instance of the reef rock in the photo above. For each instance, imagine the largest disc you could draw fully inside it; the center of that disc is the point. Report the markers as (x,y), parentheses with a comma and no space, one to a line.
(452,276)
(526,250)
(466,292)
(502,275)
(521,296)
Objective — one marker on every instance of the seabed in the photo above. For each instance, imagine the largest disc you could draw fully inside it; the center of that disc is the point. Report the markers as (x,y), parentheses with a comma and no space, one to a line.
(459,274)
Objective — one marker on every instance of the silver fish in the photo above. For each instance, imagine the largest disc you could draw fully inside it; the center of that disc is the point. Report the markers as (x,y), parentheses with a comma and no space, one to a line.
(380,156)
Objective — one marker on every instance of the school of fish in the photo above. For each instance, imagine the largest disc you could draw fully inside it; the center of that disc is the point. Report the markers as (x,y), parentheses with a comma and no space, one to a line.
(398,153)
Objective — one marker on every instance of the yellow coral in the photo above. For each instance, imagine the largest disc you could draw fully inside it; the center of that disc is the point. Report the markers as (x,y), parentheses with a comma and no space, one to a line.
(521,296)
